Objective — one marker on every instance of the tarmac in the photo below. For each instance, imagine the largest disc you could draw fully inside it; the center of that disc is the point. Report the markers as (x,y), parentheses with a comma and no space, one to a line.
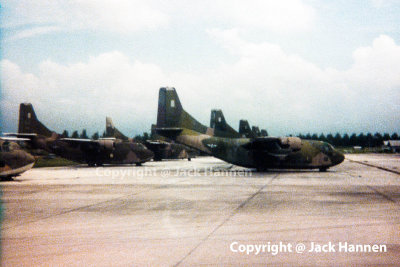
(204,212)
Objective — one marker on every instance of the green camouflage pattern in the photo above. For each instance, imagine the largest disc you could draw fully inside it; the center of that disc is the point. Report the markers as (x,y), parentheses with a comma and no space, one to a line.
(257,152)
(13,160)
(92,152)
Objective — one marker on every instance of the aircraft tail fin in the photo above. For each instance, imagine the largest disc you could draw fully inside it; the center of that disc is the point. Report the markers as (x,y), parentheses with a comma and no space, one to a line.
(172,118)
(221,127)
(245,130)
(28,122)
(256,131)
(264,133)
(111,131)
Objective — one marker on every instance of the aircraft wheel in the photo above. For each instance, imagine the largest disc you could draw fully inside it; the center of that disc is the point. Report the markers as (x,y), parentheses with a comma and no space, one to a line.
(138,164)
(99,164)
(91,164)
(189,159)
(323,169)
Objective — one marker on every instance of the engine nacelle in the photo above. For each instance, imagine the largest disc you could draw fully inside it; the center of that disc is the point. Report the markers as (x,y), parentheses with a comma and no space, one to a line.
(107,144)
(293,143)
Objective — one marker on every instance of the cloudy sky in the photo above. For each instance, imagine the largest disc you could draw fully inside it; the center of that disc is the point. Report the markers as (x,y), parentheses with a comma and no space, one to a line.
(293,66)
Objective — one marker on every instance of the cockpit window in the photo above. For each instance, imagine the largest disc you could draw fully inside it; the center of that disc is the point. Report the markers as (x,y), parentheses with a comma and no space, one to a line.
(327,147)
(5,147)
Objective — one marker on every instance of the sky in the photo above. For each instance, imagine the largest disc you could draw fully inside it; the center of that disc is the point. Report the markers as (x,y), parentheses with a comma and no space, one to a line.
(290,66)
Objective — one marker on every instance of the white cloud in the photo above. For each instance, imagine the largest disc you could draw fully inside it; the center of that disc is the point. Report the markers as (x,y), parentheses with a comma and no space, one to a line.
(127,16)
(34,31)
(123,16)
(382,3)
(279,91)
(278,16)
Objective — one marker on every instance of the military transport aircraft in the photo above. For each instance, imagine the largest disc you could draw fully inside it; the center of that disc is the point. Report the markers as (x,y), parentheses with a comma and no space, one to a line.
(260,152)
(92,152)
(223,129)
(111,131)
(162,149)
(220,126)
(13,160)
(245,130)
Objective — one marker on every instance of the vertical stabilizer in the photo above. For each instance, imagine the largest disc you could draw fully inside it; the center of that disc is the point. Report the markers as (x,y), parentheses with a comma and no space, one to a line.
(256,131)
(111,131)
(245,130)
(28,122)
(221,127)
(171,114)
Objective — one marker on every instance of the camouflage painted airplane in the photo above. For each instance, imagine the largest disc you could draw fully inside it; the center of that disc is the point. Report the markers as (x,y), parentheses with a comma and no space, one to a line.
(260,152)
(161,148)
(245,129)
(111,131)
(263,133)
(220,126)
(92,152)
(223,129)
(256,131)
(13,160)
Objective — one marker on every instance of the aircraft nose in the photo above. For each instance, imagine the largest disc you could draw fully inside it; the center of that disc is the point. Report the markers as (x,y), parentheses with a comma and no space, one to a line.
(337,158)
(148,154)
(29,158)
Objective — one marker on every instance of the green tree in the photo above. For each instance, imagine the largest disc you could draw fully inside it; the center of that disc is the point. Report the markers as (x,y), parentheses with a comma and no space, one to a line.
(322,138)
(95,136)
(386,137)
(337,140)
(353,140)
(378,139)
(75,134)
(84,134)
(346,140)
(65,134)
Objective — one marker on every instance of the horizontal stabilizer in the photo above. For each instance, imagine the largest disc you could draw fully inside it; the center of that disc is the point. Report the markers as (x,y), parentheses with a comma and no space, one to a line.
(171,133)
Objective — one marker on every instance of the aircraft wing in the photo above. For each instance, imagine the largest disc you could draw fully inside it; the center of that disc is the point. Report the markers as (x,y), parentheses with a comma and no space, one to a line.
(79,140)
(15,139)
(169,132)
(107,138)
(21,135)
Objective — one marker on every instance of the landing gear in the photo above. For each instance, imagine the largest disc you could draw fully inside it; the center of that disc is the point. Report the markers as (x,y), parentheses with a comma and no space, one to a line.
(323,169)
(138,164)
(189,159)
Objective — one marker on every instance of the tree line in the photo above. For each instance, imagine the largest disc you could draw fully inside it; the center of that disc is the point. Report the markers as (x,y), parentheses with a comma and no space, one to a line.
(339,140)
(345,140)
(96,135)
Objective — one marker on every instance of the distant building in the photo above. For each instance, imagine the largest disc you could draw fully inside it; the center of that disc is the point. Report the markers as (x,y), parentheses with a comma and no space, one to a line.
(392,145)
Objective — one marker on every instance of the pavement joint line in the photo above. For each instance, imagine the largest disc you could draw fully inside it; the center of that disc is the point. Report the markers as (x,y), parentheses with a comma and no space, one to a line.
(226,220)
(88,206)
(381,194)
(79,208)
(374,166)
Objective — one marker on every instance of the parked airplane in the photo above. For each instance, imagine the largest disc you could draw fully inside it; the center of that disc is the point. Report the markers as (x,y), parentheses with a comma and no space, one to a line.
(13,160)
(260,152)
(220,126)
(92,152)
(162,149)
